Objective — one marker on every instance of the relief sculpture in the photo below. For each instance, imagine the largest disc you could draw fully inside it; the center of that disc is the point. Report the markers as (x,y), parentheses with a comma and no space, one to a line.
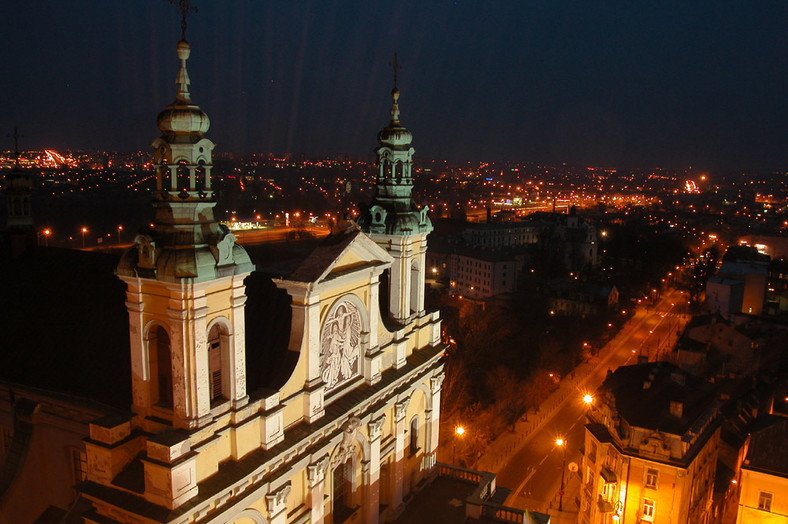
(339,346)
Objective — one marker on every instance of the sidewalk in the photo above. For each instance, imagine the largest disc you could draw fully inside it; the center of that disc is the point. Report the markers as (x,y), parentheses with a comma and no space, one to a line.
(499,451)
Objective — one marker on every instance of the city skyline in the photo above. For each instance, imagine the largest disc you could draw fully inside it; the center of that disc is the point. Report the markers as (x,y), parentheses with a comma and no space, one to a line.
(619,85)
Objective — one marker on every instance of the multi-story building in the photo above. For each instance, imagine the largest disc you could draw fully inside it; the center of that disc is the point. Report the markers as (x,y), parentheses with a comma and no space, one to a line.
(763,478)
(499,235)
(650,449)
(740,284)
(483,273)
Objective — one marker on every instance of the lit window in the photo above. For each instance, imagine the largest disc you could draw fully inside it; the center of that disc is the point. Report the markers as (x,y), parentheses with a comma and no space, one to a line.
(648,510)
(79,465)
(765,501)
(651,478)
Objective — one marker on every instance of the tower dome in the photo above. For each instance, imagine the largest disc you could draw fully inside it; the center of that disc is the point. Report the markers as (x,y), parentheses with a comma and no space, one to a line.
(395,135)
(183,117)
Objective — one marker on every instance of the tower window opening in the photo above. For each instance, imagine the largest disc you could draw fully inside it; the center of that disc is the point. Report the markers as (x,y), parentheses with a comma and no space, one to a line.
(200,180)
(218,364)
(184,178)
(161,364)
(414,287)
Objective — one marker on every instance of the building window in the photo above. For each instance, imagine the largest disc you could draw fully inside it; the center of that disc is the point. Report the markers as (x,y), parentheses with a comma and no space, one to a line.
(651,478)
(592,454)
(6,434)
(79,465)
(648,510)
(218,363)
(343,492)
(161,367)
(414,435)
(765,501)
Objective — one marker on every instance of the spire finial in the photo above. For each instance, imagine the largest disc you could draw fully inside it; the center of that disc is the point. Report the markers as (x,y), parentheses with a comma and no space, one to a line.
(396,66)
(185,6)
(16,136)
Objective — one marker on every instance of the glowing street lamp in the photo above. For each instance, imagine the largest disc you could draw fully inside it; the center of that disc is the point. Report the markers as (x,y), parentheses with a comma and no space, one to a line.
(84,230)
(459,431)
(120,228)
(561,443)
(588,399)
(47,233)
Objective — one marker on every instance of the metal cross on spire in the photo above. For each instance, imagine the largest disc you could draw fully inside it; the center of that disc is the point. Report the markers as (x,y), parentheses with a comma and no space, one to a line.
(185,6)
(16,136)
(396,66)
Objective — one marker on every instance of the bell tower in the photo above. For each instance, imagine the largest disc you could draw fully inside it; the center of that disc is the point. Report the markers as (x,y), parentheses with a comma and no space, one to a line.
(394,221)
(184,277)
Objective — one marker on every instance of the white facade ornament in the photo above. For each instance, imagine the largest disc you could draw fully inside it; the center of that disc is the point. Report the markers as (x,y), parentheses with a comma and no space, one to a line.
(401,409)
(316,472)
(436,382)
(376,426)
(278,499)
(347,448)
(340,346)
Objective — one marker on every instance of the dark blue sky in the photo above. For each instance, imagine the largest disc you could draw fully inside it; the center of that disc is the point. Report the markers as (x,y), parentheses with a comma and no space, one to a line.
(620,83)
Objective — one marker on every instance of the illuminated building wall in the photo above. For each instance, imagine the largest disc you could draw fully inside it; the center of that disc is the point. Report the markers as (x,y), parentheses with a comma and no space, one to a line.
(648,458)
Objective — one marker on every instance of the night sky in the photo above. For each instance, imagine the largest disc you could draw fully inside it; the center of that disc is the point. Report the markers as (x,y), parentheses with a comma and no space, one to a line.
(617,83)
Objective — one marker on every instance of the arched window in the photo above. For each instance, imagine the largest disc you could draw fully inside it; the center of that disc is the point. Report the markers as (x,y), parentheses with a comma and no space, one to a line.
(200,182)
(164,183)
(414,287)
(342,499)
(383,293)
(184,178)
(414,435)
(218,363)
(161,367)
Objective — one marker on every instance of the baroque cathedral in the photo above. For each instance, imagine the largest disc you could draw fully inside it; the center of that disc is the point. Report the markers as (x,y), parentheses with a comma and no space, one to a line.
(351,426)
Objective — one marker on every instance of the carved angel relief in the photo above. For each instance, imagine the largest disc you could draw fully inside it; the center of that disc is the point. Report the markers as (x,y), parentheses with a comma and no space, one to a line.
(339,346)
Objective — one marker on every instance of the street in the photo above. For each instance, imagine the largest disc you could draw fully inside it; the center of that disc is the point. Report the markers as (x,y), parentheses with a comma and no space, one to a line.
(533,471)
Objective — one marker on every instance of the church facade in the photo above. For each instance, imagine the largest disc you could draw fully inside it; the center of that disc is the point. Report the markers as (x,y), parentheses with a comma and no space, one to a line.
(354,427)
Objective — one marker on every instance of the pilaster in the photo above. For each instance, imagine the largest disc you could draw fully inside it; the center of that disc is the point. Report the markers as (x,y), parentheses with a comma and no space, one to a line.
(316,477)
(400,424)
(372,471)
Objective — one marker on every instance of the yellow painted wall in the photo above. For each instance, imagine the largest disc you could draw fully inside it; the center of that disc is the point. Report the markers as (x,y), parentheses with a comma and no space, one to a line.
(752,483)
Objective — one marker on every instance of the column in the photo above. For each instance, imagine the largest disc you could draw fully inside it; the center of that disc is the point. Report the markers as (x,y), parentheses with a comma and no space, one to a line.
(372,472)
(238,341)
(140,367)
(400,424)
(432,415)
(316,476)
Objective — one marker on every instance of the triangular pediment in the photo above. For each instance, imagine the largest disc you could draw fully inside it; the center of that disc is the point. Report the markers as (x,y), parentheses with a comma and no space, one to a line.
(340,255)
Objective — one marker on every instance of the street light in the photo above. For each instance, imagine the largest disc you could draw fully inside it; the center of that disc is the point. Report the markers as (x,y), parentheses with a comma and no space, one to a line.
(459,431)
(84,230)
(47,232)
(588,399)
(120,228)
(561,443)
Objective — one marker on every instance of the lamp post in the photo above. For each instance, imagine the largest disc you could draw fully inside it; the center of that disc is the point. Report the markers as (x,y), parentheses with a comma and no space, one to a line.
(84,230)
(47,232)
(459,431)
(120,228)
(561,443)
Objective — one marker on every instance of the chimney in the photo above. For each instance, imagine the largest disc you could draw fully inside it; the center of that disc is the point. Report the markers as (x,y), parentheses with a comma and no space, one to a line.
(642,359)
(676,408)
